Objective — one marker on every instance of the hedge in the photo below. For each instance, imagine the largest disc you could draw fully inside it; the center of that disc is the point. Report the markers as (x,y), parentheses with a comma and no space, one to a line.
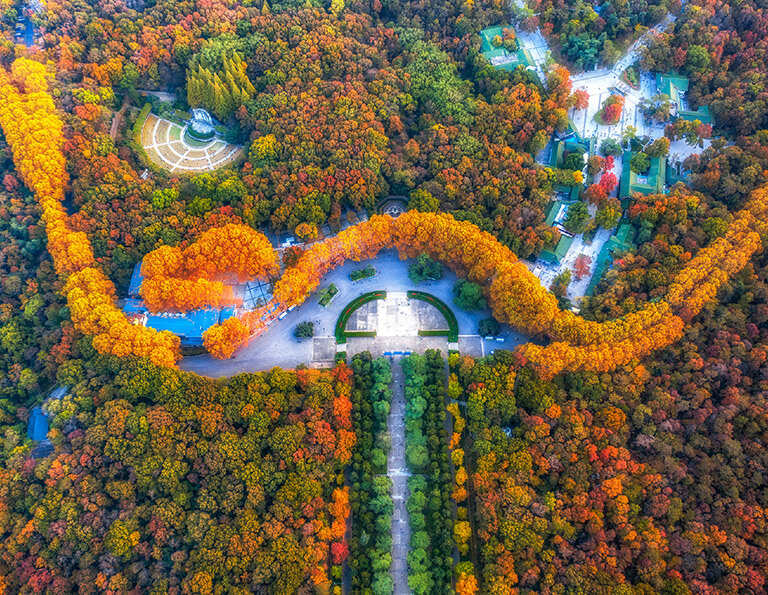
(443,333)
(139,124)
(365,273)
(134,143)
(341,323)
(450,317)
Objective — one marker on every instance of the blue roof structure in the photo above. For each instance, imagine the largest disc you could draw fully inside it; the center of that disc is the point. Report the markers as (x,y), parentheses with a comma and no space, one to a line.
(226,313)
(37,429)
(188,326)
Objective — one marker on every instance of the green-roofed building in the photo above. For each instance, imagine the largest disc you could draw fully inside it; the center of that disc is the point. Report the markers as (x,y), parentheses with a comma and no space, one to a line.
(675,87)
(556,210)
(620,241)
(676,173)
(649,183)
(561,147)
(556,256)
(511,59)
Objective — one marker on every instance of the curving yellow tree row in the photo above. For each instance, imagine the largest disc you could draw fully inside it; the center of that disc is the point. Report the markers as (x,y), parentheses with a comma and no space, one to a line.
(182,280)
(28,118)
(516,295)
(34,132)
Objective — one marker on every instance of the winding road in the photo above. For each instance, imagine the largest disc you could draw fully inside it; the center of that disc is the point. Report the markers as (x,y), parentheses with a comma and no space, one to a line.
(277,346)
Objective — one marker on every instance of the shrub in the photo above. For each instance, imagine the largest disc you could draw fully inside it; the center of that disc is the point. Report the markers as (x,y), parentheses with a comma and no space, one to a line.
(425,269)
(468,295)
(488,327)
(304,330)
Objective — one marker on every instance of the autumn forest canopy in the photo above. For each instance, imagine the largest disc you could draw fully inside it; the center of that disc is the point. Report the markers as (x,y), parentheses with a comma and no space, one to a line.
(618,450)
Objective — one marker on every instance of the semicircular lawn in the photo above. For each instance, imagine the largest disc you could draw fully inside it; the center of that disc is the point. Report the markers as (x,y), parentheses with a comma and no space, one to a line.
(34,132)
(340,331)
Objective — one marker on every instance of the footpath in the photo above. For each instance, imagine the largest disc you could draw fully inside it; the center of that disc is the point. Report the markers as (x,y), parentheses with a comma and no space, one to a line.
(398,472)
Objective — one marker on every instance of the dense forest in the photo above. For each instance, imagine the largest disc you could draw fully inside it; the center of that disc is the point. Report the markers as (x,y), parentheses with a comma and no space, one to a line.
(345,111)
(164,481)
(625,457)
(371,501)
(647,480)
(590,33)
(430,507)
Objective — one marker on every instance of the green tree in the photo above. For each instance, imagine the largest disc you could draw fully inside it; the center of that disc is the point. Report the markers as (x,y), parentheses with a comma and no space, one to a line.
(383,584)
(421,200)
(611,147)
(120,539)
(639,163)
(425,269)
(659,147)
(714,227)
(608,216)
(697,58)
(468,295)
(532,394)
(577,217)
(574,160)
(488,327)
(304,330)
(560,283)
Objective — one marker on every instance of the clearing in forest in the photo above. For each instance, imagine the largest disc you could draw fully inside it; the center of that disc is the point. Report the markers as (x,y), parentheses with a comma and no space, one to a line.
(169,147)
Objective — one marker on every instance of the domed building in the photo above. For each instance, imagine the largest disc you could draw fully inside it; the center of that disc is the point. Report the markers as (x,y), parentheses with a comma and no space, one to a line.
(201,126)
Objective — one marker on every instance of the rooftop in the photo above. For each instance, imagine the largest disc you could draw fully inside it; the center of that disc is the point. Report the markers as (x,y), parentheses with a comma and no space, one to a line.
(188,326)
(675,87)
(649,183)
(557,255)
(37,429)
(620,241)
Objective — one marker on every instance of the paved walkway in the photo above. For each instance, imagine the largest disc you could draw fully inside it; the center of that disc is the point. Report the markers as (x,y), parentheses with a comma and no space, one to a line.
(398,472)
(116,119)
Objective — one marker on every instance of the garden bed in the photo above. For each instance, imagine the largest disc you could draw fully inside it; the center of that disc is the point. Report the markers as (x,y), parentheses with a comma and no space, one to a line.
(436,333)
(365,273)
(327,294)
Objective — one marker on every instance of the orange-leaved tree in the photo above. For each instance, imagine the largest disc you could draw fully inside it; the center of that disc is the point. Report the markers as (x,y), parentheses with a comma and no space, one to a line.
(182,280)
(34,132)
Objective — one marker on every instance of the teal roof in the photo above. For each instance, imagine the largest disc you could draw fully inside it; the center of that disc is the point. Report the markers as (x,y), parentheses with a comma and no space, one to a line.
(620,241)
(495,53)
(678,174)
(702,115)
(673,86)
(556,255)
(488,34)
(650,183)
(38,425)
(560,147)
(516,58)
(554,208)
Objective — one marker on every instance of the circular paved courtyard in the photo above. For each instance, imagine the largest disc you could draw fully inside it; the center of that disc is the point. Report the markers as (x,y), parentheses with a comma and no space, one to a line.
(277,346)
